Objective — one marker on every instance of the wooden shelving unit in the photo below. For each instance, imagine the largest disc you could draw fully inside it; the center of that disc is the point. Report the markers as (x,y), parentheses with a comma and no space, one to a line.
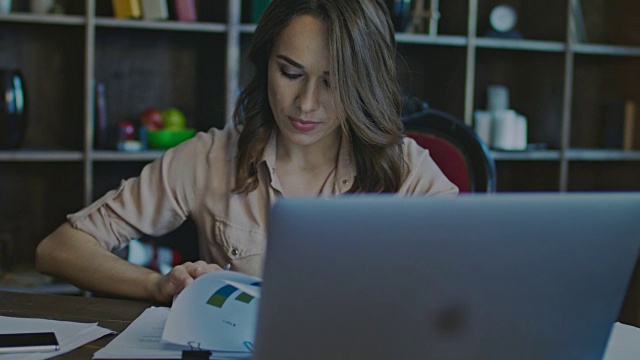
(558,83)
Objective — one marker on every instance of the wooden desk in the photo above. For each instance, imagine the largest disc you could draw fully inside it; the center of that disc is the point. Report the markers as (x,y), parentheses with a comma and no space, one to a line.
(112,314)
(117,314)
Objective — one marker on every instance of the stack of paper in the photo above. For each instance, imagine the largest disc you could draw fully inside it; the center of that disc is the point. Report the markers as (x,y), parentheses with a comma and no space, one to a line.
(71,335)
(143,340)
(217,312)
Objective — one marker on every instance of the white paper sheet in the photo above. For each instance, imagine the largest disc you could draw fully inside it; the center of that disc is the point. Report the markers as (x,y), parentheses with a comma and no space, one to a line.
(624,343)
(71,335)
(218,311)
(142,340)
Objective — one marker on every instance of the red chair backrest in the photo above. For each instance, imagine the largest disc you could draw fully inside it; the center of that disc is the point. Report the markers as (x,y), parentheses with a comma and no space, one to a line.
(447,156)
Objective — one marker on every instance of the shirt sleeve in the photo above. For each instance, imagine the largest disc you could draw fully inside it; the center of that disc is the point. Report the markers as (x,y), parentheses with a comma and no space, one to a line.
(424,176)
(154,203)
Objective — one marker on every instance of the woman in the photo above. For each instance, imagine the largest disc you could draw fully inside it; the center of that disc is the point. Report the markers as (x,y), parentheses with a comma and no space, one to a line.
(321,117)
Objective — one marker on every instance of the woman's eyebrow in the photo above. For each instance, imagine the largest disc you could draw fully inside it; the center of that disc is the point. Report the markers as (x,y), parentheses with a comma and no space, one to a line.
(290,61)
(294,63)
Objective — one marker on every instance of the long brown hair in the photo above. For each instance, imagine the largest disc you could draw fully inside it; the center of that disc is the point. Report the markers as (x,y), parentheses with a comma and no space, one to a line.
(364,86)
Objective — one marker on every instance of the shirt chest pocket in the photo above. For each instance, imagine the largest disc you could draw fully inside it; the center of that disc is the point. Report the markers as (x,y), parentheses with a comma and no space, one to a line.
(239,242)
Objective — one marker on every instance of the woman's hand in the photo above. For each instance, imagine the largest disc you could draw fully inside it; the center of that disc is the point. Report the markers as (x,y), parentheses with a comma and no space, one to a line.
(179,277)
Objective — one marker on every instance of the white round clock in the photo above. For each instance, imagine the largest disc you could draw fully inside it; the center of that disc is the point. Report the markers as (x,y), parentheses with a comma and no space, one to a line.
(503,18)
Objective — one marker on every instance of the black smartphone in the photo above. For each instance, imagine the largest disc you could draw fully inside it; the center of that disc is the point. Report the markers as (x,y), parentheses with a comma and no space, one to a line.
(28,342)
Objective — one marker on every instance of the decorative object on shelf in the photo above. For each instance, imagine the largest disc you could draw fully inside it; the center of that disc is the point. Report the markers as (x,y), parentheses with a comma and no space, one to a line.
(154,9)
(163,129)
(100,128)
(185,10)
(125,9)
(151,119)
(257,8)
(173,119)
(13,109)
(503,19)
(497,97)
(5,6)
(509,130)
(41,6)
(421,15)
(499,126)
(164,139)
(126,140)
(400,11)
(483,125)
(619,129)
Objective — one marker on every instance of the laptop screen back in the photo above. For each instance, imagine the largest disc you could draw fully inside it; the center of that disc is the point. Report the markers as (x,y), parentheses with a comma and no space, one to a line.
(527,276)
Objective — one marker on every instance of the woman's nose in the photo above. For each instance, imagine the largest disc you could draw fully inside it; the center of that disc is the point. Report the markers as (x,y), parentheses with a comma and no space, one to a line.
(309,97)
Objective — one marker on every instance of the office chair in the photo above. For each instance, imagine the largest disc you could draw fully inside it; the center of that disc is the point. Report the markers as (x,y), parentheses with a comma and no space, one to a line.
(455,148)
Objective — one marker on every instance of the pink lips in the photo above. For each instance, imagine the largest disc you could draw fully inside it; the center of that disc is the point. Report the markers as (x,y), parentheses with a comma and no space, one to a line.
(303,125)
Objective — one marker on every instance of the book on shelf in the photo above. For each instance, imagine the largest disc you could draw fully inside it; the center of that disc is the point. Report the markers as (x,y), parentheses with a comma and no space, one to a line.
(257,8)
(101,140)
(154,9)
(126,9)
(620,128)
(185,10)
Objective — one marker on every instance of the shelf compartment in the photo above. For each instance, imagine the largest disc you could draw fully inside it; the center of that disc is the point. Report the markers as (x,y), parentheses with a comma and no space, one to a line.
(112,155)
(603,49)
(35,200)
(518,44)
(453,17)
(602,155)
(142,69)
(107,175)
(28,18)
(520,175)
(40,155)
(424,39)
(434,74)
(537,155)
(603,176)
(168,25)
(50,59)
(207,11)
(597,82)
(539,20)
(535,86)
(611,22)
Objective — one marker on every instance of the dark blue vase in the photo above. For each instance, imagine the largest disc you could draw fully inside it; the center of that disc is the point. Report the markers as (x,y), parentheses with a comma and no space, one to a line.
(13,117)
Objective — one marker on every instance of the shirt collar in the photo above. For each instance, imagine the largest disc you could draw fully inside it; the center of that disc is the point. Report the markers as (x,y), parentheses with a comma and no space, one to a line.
(345,169)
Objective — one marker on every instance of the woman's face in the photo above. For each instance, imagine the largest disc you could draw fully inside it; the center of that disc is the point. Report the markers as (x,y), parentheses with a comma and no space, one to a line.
(300,84)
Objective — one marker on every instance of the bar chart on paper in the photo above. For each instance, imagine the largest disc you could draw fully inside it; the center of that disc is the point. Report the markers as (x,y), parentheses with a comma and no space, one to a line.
(218,311)
(221,295)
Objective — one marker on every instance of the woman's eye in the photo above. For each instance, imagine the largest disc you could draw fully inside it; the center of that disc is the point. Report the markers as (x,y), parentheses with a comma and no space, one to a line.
(326,83)
(289,75)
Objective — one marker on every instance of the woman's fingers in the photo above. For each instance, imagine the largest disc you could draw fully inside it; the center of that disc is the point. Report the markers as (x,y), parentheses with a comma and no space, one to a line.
(182,275)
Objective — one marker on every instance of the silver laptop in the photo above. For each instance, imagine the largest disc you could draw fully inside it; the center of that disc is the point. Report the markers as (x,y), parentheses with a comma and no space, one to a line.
(516,276)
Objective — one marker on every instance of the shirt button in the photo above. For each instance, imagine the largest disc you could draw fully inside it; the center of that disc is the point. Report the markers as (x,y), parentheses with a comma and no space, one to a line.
(234,252)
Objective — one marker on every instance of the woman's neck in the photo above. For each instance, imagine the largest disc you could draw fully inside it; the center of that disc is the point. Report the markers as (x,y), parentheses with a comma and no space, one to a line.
(321,154)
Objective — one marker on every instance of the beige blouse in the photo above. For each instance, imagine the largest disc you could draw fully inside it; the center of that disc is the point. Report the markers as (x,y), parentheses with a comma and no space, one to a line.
(195,178)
